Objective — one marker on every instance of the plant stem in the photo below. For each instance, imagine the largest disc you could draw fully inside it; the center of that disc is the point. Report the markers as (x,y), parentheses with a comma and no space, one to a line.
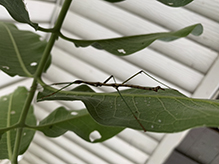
(38,74)
(45,29)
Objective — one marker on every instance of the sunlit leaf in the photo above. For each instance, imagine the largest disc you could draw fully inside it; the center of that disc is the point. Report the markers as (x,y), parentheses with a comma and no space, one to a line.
(80,122)
(10,111)
(175,3)
(20,51)
(163,111)
(18,12)
(131,44)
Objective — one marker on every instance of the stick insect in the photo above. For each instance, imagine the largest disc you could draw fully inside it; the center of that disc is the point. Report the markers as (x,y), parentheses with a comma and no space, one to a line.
(116,86)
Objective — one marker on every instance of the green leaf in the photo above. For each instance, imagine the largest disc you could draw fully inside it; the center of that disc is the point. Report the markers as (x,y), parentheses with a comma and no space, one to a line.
(163,111)
(17,10)
(20,51)
(10,111)
(80,122)
(131,44)
(175,3)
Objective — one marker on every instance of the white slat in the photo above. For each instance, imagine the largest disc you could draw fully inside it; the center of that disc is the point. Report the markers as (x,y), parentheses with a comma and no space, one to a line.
(179,17)
(40,11)
(29,157)
(181,64)
(133,154)
(165,147)
(209,9)
(141,141)
(121,69)
(196,56)
(52,146)
(43,154)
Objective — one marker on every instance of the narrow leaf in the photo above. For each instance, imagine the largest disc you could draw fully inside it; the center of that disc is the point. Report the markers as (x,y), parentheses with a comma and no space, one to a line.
(18,12)
(175,3)
(80,122)
(10,111)
(163,111)
(131,44)
(20,51)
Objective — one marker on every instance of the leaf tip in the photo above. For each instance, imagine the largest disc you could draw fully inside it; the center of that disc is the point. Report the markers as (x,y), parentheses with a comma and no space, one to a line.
(198,30)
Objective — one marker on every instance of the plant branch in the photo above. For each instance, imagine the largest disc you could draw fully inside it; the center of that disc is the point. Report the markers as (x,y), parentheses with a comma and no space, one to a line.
(38,74)
(45,29)
(72,39)
(66,38)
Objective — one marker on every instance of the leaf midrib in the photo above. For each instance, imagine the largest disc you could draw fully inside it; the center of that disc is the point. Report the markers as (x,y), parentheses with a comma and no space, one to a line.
(8,125)
(17,52)
(73,93)
(38,127)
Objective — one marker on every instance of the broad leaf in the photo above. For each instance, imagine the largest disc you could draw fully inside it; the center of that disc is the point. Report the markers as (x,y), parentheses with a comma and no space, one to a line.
(20,51)
(10,110)
(163,111)
(130,44)
(80,122)
(18,12)
(175,3)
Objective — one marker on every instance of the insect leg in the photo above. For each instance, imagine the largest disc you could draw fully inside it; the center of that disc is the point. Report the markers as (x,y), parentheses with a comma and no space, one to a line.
(139,122)
(142,71)
(132,76)
(116,87)
(108,79)
(58,90)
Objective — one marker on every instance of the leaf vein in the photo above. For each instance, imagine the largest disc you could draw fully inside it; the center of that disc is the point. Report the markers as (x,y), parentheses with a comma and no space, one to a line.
(17,52)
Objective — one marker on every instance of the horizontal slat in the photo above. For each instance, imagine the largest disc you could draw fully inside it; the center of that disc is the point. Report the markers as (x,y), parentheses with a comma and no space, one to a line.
(176,18)
(52,146)
(97,19)
(133,148)
(166,68)
(78,151)
(165,147)
(194,55)
(10,88)
(210,9)
(40,12)
(134,153)
(99,150)
(120,146)
(85,28)
(29,157)
(156,136)
(141,141)
(7,80)
(43,154)
(122,69)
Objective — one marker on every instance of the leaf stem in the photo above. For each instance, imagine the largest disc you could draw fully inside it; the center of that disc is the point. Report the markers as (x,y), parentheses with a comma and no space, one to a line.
(38,74)
(45,29)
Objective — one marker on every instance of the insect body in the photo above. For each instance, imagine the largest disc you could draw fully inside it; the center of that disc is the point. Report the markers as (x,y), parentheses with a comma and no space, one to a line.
(114,85)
